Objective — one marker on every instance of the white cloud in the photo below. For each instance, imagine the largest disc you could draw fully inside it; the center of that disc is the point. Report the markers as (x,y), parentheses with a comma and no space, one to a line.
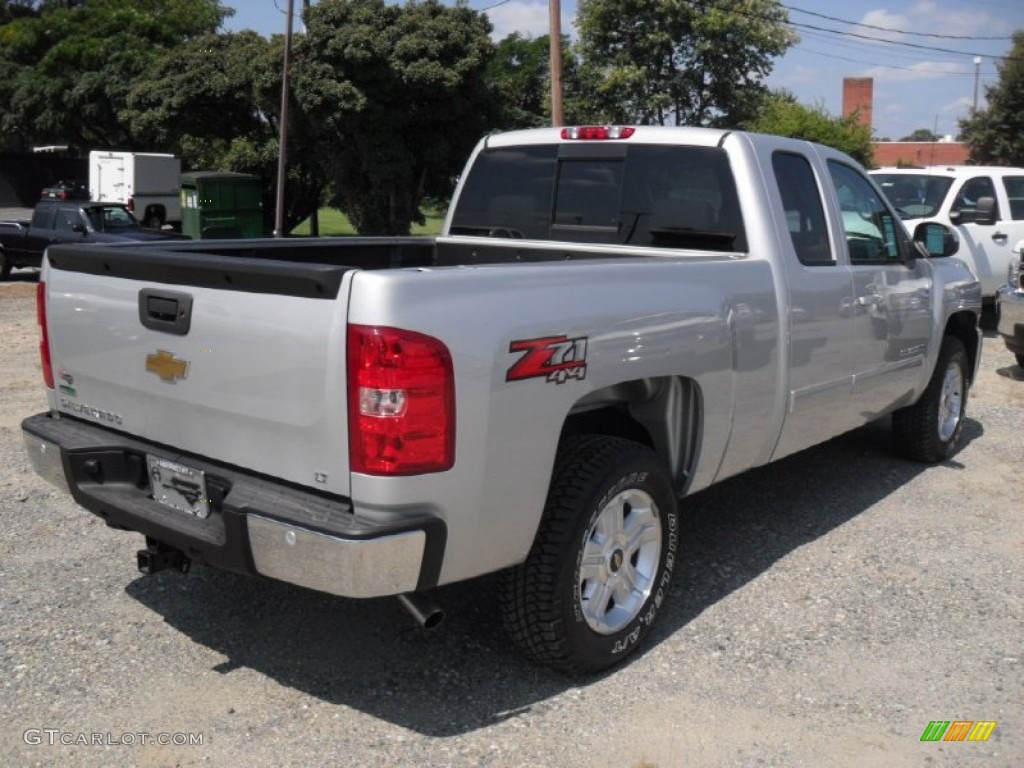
(882,18)
(960,106)
(528,17)
(922,70)
(930,16)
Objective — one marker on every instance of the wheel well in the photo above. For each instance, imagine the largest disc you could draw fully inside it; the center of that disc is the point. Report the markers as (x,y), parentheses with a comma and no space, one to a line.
(963,325)
(159,210)
(663,413)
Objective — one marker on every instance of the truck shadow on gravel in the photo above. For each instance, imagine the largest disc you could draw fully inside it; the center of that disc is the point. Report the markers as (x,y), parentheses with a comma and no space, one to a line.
(466,675)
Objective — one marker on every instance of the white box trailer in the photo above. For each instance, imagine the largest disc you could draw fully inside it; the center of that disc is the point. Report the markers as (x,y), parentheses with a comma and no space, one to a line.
(148,183)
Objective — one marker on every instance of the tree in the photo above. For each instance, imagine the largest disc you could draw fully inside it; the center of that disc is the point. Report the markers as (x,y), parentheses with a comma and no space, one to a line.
(399,97)
(996,135)
(66,68)
(921,134)
(520,76)
(520,73)
(216,102)
(682,62)
(782,115)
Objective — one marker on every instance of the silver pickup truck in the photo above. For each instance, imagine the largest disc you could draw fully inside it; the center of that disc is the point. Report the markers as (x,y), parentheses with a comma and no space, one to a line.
(612,319)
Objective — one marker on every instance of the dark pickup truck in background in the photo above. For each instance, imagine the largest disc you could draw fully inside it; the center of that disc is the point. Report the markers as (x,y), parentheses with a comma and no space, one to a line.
(68,221)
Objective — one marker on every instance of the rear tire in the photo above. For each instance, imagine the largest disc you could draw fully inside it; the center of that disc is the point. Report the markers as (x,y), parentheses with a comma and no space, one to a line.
(5,266)
(153,220)
(600,566)
(930,429)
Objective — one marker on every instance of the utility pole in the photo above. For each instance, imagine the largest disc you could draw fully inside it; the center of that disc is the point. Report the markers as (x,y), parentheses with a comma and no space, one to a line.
(555,19)
(282,155)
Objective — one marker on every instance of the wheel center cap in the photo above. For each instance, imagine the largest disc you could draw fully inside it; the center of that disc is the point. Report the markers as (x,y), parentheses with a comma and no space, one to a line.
(615,561)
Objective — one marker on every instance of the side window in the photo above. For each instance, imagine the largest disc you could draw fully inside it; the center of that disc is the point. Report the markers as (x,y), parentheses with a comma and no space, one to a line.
(966,201)
(805,215)
(66,219)
(1015,192)
(871,229)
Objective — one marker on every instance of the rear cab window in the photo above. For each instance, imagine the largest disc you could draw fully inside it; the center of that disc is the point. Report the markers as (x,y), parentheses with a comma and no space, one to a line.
(640,195)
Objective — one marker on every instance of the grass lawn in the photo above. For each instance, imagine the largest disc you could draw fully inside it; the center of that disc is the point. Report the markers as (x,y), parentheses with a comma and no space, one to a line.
(334,222)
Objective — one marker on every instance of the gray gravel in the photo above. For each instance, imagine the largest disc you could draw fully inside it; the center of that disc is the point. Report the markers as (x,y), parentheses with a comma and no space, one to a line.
(829,607)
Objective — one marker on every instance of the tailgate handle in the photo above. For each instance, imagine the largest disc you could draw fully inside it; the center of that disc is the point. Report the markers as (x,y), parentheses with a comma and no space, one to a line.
(165,311)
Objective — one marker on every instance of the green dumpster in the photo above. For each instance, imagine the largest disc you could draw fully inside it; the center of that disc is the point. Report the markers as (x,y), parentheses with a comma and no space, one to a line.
(217,205)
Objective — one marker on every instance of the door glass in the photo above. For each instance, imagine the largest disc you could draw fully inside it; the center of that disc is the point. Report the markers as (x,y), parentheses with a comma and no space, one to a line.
(970,193)
(872,233)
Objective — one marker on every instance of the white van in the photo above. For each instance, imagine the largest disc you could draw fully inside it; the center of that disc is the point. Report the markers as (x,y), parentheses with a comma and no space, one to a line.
(983,204)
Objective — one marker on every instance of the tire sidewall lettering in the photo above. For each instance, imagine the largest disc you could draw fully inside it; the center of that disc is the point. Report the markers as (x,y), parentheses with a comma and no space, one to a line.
(623,641)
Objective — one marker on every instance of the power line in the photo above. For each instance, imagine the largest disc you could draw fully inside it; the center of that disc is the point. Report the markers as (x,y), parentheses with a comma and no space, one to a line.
(890,29)
(918,46)
(831,55)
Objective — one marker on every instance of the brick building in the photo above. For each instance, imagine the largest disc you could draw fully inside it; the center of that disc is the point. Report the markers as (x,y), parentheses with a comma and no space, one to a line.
(858,98)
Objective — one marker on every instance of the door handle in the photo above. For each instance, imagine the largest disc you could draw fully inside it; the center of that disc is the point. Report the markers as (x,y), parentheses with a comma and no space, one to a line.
(869,300)
(999,237)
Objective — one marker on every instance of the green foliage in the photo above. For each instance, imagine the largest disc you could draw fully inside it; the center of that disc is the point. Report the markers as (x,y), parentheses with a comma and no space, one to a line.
(399,97)
(682,62)
(520,73)
(66,68)
(921,134)
(996,135)
(782,115)
(216,101)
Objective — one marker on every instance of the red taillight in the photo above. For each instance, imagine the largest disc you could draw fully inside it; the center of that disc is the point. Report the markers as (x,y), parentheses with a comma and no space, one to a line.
(44,340)
(598,132)
(130,203)
(401,402)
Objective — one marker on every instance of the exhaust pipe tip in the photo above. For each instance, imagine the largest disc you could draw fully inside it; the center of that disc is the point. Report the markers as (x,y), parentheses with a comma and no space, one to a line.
(426,612)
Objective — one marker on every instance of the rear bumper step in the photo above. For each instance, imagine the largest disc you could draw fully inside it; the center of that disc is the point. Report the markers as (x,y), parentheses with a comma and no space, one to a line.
(255,526)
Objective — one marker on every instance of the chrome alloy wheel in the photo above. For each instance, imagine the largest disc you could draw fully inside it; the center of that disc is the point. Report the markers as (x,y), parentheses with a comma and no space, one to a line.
(619,562)
(950,402)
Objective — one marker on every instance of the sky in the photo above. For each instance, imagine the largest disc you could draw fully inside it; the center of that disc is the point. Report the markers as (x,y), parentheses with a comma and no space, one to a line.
(920,53)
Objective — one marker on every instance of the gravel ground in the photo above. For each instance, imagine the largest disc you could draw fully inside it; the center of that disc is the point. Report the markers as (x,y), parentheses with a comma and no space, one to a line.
(828,608)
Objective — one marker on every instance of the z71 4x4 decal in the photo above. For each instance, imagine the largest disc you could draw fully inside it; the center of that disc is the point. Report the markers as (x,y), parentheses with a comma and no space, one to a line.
(555,358)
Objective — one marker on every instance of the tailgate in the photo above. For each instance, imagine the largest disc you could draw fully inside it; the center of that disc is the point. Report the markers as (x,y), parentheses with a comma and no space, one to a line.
(240,360)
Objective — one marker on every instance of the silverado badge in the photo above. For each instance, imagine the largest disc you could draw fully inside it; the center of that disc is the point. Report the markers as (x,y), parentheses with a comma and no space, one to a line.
(165,365)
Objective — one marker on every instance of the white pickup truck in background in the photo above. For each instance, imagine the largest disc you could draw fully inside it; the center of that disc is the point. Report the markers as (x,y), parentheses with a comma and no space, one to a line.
(983,204)
(613,318)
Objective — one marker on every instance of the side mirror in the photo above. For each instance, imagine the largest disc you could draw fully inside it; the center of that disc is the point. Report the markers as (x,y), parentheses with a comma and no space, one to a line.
(986,213)
(79,228)
(935,240)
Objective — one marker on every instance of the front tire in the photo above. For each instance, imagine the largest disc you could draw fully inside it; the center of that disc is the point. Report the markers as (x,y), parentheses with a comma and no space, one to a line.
(930,429)
(600,566)
(5,266)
